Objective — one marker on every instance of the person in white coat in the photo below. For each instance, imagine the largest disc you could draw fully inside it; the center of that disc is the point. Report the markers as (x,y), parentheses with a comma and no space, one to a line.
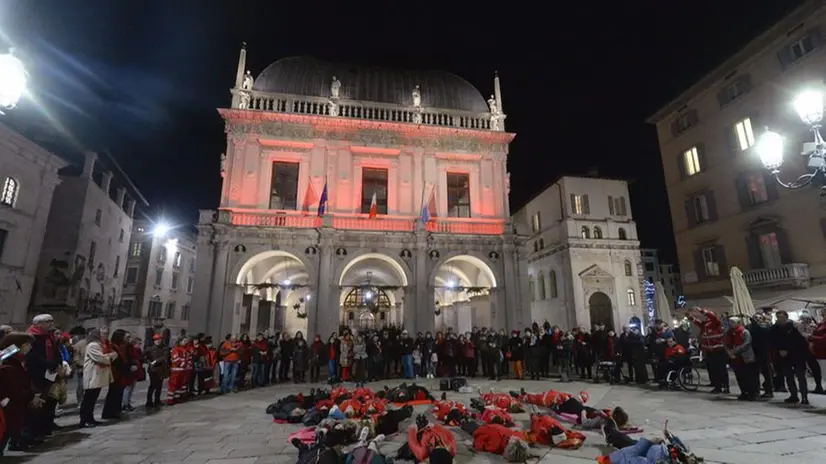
(97,373)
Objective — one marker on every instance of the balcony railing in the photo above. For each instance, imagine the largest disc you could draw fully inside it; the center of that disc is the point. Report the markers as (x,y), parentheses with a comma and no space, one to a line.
(383,223)
(793,275)
(372,111)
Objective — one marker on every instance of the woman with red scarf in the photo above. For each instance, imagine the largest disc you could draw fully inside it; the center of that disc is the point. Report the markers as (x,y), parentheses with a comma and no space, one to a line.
(16,394)
(122,366)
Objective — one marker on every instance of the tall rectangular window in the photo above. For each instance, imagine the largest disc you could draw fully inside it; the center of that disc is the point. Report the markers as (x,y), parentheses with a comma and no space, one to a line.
(579,204)
(177,260)
(458,195)
(93,248)
(770,250)
(174,285)
(744,133)
(711,262)
(374,180)
(190,284)
(756,184)
(536,222)
(3,235)
(701,214)
(131,275)
(117,265)
(691,161)
(158,276)
(135,249)
(284,191)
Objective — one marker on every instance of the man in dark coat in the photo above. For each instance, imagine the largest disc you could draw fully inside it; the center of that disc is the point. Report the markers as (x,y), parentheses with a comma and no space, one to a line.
(792,349)
(761,345)
(42,363)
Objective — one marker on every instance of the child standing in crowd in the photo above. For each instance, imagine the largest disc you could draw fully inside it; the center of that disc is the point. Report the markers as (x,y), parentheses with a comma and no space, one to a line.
(417,361)
(431,367)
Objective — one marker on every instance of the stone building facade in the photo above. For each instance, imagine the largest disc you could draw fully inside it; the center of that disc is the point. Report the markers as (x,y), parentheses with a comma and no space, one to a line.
(83,258)
(726,208)
(404,144)
(29,176)
(585,266)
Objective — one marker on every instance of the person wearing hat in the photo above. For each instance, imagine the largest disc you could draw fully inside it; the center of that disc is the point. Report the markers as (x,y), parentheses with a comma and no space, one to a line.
(157,359)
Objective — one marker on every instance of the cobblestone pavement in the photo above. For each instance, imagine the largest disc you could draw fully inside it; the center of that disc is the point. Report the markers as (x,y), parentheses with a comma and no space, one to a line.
(235,429)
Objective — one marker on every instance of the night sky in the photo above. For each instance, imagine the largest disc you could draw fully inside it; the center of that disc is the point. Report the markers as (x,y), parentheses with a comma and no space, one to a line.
(141,79)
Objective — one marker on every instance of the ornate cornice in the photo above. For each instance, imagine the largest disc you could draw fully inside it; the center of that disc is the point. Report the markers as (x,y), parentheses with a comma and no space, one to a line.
(298,127)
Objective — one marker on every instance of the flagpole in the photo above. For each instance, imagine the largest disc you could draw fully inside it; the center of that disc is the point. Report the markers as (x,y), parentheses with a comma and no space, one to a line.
(421,207)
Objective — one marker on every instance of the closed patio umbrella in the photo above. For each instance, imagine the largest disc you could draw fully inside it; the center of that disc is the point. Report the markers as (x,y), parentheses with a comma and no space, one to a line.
(742,304)
(663,305)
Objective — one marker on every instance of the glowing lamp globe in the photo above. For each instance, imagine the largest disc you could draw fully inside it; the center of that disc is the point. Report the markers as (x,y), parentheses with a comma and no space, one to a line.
(12,80)
(770,150)
(809,106)
(161,229)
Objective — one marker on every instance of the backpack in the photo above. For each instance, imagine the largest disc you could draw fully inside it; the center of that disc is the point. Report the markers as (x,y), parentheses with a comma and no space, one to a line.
(364,455)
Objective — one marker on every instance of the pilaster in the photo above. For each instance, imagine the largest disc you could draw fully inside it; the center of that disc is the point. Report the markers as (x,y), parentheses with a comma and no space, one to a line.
(324,317)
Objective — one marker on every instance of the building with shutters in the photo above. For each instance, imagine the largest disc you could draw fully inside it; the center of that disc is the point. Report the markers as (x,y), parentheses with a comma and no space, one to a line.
(726,209)
(585,265)
(358,196)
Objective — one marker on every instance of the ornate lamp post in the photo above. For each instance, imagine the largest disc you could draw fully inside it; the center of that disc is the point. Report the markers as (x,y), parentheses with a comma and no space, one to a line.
(809,106)
(12,80)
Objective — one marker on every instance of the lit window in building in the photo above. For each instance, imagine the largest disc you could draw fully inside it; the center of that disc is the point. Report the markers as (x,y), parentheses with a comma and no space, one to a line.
(770,250)
(135,249)
(10,190)
(710,261)
(579,204)
(744,133)
(757,188)
(536,222)
(691,161)
(632,297)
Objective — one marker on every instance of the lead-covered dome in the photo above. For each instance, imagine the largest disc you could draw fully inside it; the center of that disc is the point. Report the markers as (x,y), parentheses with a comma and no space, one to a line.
(311,77)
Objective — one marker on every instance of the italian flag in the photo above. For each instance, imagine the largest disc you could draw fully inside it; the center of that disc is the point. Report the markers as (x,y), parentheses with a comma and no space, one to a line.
(373,206)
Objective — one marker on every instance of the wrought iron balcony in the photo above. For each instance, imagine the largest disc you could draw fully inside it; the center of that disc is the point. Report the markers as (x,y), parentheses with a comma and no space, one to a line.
(795,275)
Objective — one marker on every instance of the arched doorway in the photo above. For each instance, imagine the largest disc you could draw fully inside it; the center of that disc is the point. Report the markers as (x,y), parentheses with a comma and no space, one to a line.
(601,310)
(275,289)
(372,292)
(462,294)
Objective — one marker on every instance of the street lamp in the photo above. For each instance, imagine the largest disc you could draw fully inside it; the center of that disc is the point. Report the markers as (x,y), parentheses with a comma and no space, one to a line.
(12,80)
(161,229)
(809,106)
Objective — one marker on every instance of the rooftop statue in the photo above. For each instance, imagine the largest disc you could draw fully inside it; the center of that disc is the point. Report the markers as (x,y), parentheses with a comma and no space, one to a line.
(417,97)
(335,87)
(248,81)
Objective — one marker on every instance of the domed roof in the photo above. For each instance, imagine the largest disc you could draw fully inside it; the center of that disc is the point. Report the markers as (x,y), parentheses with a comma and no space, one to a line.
(311,77)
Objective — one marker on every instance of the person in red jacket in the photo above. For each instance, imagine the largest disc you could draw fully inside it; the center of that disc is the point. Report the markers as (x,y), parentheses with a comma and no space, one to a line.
(817,343)
(177,380)
(498,439)
(545,428)
(714,350)
(431,442)
(675,357)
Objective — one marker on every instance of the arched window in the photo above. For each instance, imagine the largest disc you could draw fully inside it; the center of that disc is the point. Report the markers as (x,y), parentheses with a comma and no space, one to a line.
(586,233)
(10,190)
(628,269)
(622,234)
(531,285)
(632,297)
(597,232)
(370,298)
(554,288)
(541,286)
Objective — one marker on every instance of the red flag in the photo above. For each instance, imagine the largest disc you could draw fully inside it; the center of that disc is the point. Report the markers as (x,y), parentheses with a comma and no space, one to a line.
(374,208)
(431,204)
(310,198)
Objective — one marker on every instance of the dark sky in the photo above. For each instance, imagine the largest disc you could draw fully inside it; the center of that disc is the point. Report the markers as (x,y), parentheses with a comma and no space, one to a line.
(142,78)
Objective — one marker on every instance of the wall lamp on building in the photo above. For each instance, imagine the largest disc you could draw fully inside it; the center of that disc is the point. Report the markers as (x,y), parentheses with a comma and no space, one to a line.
(809,106)
(12,80)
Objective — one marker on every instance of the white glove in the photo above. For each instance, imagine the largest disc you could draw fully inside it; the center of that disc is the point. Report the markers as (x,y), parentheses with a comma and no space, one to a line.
(4,402)
(133,369)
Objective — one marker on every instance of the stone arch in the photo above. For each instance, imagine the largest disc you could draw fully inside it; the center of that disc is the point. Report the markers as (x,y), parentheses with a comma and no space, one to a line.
(481,262)
(395,263)
(255,257)
(601,309)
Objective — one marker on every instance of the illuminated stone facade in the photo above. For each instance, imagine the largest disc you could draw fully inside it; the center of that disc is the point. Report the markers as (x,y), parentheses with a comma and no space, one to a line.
(414,141)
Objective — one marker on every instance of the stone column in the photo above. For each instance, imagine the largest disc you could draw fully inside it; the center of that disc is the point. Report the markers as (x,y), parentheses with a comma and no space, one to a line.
(254,302)
(272,317)
(324,317)
(463,316)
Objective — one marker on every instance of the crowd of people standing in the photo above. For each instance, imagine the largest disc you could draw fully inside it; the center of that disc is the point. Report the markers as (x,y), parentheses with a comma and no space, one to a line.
(34,377)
